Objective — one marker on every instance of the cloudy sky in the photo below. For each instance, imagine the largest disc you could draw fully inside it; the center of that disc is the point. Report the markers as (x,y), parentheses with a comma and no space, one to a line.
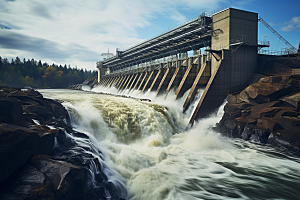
(76,32)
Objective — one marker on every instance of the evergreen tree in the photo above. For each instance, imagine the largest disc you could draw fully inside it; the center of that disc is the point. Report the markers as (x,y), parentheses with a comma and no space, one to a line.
(38,74)
(18,61)
(1,63)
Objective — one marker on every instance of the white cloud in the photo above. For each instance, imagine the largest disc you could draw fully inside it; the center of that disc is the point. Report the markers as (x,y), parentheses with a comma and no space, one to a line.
(76,32)
(292,25)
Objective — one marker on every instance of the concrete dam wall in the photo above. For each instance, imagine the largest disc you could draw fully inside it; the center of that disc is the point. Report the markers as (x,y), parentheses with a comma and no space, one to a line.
(162,63)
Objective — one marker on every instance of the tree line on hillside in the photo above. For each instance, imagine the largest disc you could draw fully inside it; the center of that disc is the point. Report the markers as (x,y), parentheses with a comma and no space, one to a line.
(36,74)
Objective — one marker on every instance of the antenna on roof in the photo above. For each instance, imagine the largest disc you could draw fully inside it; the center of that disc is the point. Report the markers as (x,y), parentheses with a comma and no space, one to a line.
(107,55)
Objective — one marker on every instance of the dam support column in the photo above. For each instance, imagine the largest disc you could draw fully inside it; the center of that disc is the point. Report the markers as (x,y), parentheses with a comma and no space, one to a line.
(138,81)
(123,81)
(98,75)
(155,79)
(190,65)
(171,81)
(162,80)
(146,81)
(142,81)
(133,82)
(131,77)
(187,101)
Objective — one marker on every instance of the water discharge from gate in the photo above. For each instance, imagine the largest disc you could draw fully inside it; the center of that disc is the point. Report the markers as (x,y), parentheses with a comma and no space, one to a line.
(147,145)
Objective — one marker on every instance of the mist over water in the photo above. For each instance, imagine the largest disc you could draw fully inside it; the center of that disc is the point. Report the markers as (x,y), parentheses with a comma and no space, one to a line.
(147,146)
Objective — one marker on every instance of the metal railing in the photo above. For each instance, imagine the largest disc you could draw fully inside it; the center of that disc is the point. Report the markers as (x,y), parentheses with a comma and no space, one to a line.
(275,52)
(151,64)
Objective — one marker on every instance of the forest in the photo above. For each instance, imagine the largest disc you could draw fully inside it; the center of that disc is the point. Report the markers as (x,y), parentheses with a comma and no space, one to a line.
(33,73)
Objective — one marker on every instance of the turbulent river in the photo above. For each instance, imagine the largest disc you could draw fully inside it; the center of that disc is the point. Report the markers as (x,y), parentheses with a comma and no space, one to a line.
(147,146)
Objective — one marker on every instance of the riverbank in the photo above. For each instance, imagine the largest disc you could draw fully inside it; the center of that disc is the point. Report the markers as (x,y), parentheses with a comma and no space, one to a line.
(42,156)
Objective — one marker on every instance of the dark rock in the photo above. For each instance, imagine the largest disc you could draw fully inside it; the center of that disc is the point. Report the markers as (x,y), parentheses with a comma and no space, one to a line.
(11,112)
(288,122)
(232,111)
(266,112)
(240,130)
(271,79)
(277,141)
(230,124)
(245,113)
(29,184)
(261,99)
(246,133)
(292,99)
(18,144)
(5,90)
(263,134)
(89,83)
(24,94)
(37,107)
(66,179)
(254,138)
(76,87)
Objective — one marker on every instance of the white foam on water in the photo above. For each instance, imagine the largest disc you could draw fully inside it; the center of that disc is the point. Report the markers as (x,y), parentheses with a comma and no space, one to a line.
(146,143)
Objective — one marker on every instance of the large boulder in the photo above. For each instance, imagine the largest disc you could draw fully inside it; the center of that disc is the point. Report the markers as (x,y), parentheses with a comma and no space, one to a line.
(293,99)
(11,111)
(39,108)
(45,178)
(18,144)
(67,180)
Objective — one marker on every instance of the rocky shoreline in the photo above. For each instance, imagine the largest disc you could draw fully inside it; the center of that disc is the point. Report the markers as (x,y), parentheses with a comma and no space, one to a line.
(266,112)
(42,157)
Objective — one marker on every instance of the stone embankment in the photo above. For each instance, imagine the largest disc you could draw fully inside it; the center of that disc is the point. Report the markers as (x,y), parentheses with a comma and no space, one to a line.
(38,154)
(266,112)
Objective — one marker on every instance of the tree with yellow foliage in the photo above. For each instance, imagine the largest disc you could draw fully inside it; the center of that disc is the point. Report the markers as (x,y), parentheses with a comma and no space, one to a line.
(29,81)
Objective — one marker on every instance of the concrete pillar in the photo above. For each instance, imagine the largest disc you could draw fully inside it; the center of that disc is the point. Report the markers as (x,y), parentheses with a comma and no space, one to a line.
(131,77)
(186,103)
(183,80)
(146,81)
(155,79)
(171,82)
(124,82)
(204,93)
(118,80)
(138,80)
(162,80)
(98,75)
(133,81)
(121,80)
(142,81)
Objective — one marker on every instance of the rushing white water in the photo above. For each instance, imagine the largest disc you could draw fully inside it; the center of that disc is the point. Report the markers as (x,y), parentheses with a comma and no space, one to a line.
(147,145)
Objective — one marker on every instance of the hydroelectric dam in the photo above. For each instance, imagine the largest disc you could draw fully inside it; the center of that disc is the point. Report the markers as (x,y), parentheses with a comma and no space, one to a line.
(230,38)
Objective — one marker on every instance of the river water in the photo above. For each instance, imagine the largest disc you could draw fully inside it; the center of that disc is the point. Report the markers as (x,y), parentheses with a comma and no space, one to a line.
(147,146)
